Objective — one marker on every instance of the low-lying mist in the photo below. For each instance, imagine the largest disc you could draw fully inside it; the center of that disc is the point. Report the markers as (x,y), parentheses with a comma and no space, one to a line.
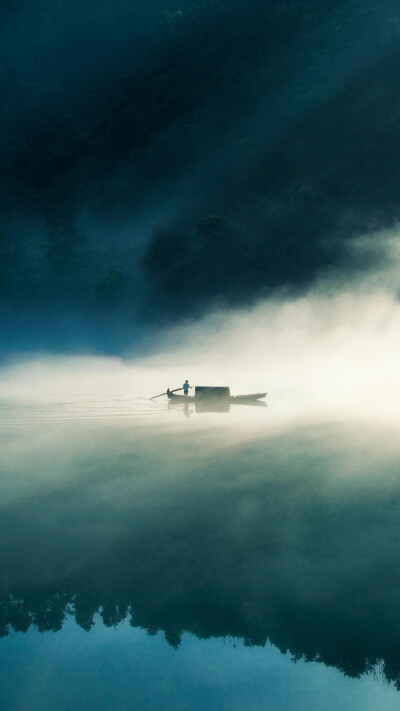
(270,524)
(329,354)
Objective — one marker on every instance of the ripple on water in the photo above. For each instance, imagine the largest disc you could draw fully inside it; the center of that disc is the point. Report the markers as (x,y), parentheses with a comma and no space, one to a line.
(14,413)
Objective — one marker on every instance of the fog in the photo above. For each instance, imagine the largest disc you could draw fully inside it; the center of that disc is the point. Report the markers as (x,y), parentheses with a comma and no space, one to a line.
(270,525)
(328,355)
(203,191)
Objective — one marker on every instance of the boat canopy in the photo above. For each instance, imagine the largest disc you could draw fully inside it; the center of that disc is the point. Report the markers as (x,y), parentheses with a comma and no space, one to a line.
(203,391)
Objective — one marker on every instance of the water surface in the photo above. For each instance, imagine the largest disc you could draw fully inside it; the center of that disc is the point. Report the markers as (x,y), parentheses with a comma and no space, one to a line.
(153,560)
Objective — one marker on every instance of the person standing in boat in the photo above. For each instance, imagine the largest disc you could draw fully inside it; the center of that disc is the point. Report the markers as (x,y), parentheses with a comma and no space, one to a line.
(186,387)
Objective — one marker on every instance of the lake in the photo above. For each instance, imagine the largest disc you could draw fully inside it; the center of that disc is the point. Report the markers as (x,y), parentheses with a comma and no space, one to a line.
(158,558)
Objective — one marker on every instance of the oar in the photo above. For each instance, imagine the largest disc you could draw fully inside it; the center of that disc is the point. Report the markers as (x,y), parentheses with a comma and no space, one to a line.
(155,396)
(161,394)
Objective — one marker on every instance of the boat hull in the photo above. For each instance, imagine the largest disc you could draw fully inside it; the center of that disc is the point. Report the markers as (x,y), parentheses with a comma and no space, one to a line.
(239,399)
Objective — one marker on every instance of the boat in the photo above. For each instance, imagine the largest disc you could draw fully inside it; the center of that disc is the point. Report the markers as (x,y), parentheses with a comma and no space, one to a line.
(217,394)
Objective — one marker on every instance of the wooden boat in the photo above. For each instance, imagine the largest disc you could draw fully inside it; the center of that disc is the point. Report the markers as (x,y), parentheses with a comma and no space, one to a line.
(203,393)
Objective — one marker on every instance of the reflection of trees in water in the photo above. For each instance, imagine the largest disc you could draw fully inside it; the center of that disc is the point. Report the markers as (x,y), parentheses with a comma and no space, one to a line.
(346,641)
(268,542)
(46,612)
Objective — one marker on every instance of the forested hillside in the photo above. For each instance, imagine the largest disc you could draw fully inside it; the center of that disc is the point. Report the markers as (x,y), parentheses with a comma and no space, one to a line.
(162,156)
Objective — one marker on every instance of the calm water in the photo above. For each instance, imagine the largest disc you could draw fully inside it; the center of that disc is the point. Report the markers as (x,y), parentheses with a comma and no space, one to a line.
(166,559)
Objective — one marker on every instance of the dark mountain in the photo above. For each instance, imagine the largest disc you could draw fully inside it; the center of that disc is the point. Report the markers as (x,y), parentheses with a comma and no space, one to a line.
(161,157)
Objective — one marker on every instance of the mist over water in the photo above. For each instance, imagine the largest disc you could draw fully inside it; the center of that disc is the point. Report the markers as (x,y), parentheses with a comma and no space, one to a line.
(232,530)
(274,527)
(208,192)
(326,355)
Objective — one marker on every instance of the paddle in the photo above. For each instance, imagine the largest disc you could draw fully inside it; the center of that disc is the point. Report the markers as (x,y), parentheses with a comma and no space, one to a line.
(161,394)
